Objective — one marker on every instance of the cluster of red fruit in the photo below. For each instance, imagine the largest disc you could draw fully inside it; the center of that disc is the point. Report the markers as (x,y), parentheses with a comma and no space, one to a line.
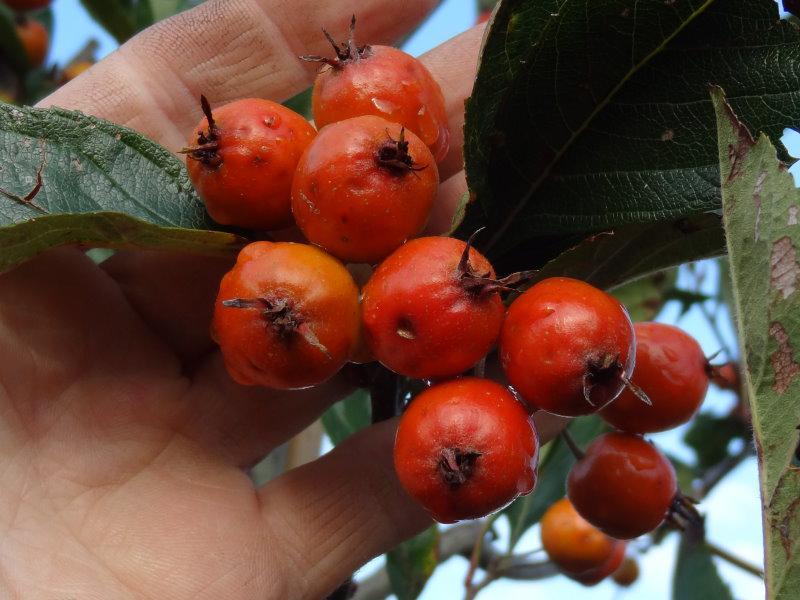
(290,315)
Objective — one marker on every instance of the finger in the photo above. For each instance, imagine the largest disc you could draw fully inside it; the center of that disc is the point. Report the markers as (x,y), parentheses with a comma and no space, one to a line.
(450,194)
(242,424)
(454,65)
(336,513)
(226,49)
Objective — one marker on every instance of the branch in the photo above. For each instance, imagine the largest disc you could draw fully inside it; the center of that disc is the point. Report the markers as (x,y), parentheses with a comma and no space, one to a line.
(735,560)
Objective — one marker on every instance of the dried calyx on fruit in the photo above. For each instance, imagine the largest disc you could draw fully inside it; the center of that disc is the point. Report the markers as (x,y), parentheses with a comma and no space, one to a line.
(381,81)
(243,160)
(432,309)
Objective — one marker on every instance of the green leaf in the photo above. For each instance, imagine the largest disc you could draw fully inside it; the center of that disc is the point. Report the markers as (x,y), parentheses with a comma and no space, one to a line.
(116,16)
(645,297)
(590,115)
(696,576)
(411,564)
(761,207)
(608,260)
(551,486)
(709,437)
(102,185)
(301,103)
(11,48)
(347,416)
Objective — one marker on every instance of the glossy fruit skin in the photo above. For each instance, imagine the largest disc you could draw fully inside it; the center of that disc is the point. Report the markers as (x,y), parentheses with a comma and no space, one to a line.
(322,296)
(419,318)
(35,39)
(22,5)
(260,143)
(623,485)
(552,335)
(672,370)
(597,574)
(468,415)
(346,202)
(388,83)
(574,545)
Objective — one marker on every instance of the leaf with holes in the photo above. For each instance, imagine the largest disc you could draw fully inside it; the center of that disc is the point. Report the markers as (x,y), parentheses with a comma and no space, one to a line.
(761,210)
(587,115)
(66,178)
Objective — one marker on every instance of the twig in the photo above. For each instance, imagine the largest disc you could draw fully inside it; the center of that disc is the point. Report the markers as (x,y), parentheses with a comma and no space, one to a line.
(716,473)
(576,450)
(471,588)
(734,560)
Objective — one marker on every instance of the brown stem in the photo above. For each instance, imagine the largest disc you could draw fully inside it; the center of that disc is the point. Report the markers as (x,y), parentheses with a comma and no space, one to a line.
(734,560)
(573,446)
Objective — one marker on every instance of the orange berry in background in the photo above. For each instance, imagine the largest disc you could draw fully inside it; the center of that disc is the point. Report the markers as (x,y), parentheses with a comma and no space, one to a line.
(35,39)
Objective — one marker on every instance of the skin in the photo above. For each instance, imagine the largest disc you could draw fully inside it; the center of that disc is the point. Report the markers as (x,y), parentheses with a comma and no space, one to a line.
(260,143)
(322,299)
(623,485)
(571,542)
(466,415)
(672,370)
(122,438)
(552,336)
(346,201)
(387,83)
(35,40)
(420,320)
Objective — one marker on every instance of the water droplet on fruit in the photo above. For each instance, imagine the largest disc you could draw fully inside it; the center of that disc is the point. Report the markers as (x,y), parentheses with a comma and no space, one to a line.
(384,106)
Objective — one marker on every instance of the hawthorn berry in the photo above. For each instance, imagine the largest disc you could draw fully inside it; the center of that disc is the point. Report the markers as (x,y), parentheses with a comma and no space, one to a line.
(286,316)
(23,5)
(381,81)
(465,448)
(363,187)
(244,160)
(672,371)
(627,574)
(567,347)
(35,39)
(622,485)
(597,574)
(726,377)
(578,549)
(432,308)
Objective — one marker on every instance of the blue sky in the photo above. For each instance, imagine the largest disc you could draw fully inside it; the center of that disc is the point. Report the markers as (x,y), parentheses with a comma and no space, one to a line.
(734,520)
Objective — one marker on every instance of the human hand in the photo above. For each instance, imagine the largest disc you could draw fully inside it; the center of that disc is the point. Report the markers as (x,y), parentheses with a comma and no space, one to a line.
(123,440)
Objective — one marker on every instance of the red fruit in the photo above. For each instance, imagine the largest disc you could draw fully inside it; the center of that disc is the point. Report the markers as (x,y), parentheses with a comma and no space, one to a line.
(385,82)
(363,188)
(35,39)
(567,347)
(244,161)
(726,377)
(627,574)
(286,316)
(466,448)
(483,16)
(427,315)
(575,546)
(623,485)
(598,574)
(27,4)
(672,370)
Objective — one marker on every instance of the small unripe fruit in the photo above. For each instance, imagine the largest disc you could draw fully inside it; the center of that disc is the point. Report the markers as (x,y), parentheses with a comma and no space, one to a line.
(623,485)
(672,371)
(363,187)
(244,160)
(428,313)
(567,347)
(627,574)
(286,316)
(466,448)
